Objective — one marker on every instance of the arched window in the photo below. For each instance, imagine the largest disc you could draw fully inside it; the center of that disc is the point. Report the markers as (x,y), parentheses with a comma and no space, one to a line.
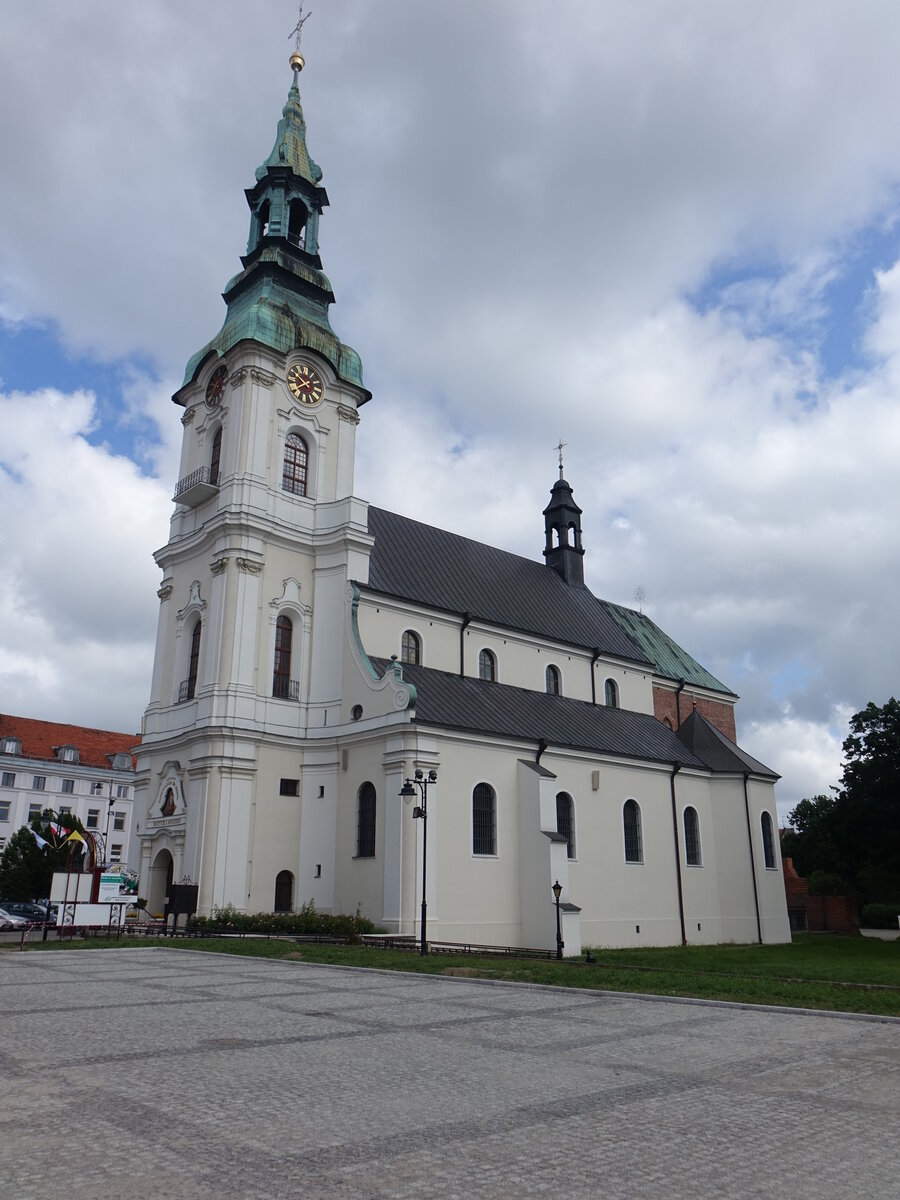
(552,678)
(484,819)
(281,676)
(297,223)
(296,462)
(365,821)
(410,648)
(189,687)
(487,666)
(611,692)
(634,843)
(691,837)
(768,842)
(284,891)
(215,457)
(565,820)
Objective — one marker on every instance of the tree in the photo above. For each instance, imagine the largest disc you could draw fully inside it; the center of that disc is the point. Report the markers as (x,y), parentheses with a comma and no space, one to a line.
(26,866)
(870,794)
(855,834)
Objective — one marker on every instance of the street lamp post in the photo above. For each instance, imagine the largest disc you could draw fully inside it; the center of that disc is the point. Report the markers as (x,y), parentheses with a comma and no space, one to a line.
(418,786)
(557,892)
(97,790)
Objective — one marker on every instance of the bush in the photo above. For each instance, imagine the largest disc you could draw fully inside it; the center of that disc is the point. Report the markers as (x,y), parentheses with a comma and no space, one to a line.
(306,922)
(827,883)
(879,916)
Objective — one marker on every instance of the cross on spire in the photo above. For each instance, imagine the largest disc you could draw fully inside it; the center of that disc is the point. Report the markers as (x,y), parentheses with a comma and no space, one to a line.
(298,28)
(560,449)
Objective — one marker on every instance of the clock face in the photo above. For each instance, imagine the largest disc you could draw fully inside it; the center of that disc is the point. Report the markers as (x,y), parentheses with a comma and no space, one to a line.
(305,383)
(216,386)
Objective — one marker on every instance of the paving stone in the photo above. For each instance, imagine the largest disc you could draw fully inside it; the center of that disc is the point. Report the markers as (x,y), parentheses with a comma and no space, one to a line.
(158,1072)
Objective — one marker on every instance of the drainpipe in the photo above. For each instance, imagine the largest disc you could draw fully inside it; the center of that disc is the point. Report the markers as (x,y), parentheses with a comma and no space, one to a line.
(678,691)
(676,767)
(466,622)
(593,680)
(542,746)
(752,857)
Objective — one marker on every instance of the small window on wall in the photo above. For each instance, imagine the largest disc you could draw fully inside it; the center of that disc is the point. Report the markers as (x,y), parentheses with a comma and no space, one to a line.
(34,811)
(4,810)
(634,842)
(365,821)
(296,463)
(484,819)
(691,837)
(410,648)
(115,854)
(93,819)
(289,787)
(68,786)
(487,666)
(611,693)
(119,821)
(9,779)
(12,745)
(565,821)
(768,837)
(554,687)
(38,783)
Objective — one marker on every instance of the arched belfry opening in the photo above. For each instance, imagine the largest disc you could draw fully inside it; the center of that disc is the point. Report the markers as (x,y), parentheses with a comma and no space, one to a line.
(297,217)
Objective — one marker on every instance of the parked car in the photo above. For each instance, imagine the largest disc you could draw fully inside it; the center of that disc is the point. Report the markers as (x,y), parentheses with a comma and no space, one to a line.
(36,913)
(10,921)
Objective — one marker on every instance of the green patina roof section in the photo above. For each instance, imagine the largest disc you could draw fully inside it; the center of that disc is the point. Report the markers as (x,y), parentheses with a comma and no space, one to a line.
(667,656)
(270,311)
(290,142)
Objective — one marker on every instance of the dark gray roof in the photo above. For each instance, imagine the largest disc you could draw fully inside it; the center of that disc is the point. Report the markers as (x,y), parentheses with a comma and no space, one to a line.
(442,570)
(717,751)
(496,709)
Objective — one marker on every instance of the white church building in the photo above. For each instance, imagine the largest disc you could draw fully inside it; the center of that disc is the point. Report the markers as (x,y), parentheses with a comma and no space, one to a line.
(314,652)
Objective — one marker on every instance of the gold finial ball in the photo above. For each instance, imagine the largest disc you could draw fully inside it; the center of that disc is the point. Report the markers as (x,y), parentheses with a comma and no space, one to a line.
(298,62)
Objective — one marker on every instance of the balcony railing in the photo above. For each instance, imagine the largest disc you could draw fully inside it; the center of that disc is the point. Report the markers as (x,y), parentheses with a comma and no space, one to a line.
(186,690)
(285,689)
(195,488)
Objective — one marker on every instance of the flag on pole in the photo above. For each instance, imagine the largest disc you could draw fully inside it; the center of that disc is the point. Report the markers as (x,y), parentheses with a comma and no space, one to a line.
(75,836)
(42,842)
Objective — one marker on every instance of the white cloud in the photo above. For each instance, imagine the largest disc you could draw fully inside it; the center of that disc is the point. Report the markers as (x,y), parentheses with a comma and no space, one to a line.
(77,606)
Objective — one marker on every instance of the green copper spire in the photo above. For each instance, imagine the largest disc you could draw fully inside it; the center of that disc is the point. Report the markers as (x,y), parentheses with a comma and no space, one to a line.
(282,295)
(290,139)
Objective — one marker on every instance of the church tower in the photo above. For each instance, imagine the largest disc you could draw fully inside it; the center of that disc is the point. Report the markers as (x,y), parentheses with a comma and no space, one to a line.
(264,536)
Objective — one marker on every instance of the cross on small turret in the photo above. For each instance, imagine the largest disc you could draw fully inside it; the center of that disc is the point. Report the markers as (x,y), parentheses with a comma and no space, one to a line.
(560,449)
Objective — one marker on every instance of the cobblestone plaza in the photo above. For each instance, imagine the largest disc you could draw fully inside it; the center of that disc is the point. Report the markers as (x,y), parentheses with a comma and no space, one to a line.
(168,1073)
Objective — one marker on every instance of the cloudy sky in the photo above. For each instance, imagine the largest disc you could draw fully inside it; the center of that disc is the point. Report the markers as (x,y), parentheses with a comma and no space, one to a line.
(664,232)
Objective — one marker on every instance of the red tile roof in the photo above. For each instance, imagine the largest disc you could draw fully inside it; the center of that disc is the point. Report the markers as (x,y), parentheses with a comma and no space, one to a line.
(39,739)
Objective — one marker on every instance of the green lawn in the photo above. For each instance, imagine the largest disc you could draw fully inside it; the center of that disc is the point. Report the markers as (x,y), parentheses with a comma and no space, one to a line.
(841,974)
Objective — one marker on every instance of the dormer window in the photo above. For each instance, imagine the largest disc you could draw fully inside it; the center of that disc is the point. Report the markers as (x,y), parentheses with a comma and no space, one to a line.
(11,745)
(67,754)
(121,761)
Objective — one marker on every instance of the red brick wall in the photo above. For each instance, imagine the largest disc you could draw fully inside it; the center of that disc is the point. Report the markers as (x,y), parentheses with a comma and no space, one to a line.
(716,712)
(834,913)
